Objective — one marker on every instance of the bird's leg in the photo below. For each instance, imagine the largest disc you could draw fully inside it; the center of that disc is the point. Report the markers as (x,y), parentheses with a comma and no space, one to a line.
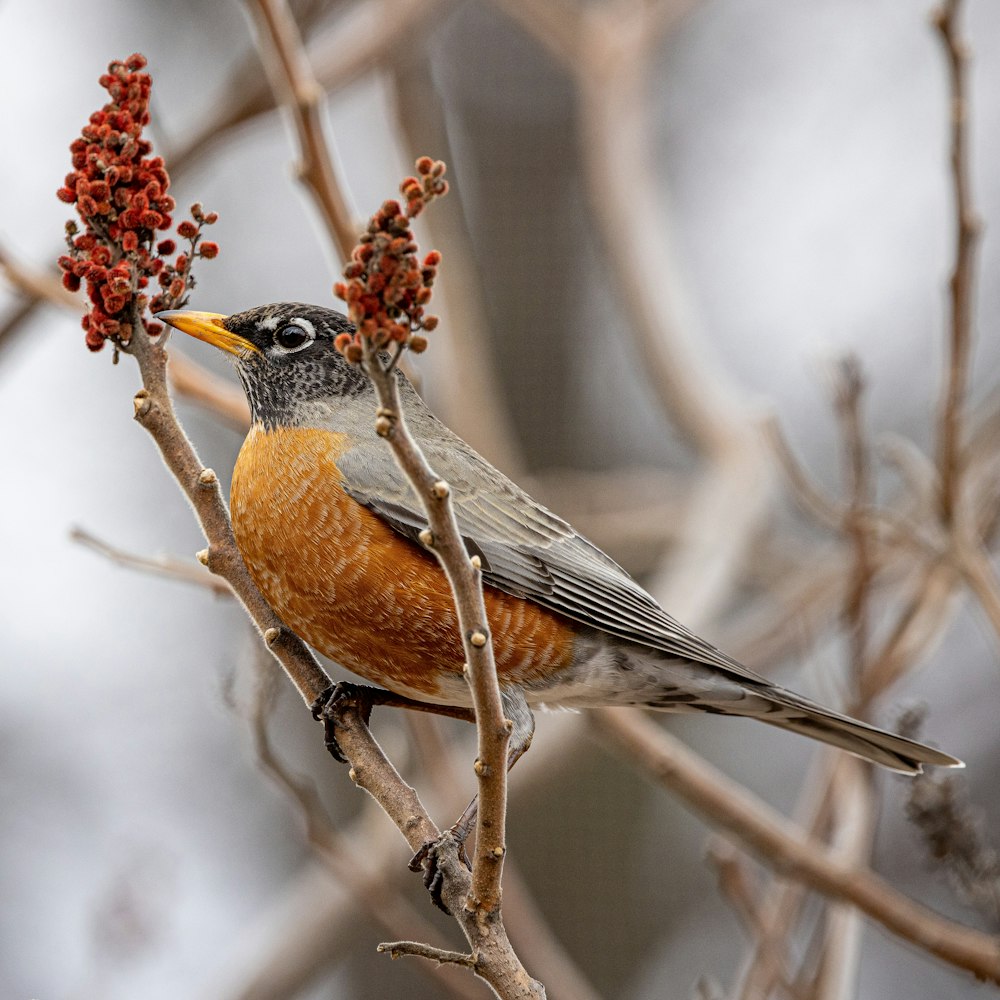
(516,710)
(364,698)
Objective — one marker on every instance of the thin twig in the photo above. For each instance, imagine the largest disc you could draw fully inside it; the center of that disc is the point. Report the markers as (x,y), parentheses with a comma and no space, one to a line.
(781,905)
(977,571)
(805,490)
(371,890)
(41,286)
(950,430)
(398,949)
(848,389)
(292,75)
(850,843)
(168,566)
(465,578)
(154,411)
(778,844)
(192,382)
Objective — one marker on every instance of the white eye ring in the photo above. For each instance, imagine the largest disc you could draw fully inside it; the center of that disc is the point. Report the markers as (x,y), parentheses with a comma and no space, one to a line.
(292,337)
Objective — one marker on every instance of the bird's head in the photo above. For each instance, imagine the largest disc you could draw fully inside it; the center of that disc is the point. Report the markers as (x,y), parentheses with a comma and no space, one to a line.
(284,355)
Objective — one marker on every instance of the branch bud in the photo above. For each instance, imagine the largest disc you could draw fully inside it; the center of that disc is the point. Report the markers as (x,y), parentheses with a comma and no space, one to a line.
(478,639)
(202,556)
(440,490)
(426,538)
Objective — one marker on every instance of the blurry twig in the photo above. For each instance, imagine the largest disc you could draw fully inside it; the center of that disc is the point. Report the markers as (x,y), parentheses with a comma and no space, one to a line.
(848,389)
(288,67)
(196,384)
(187,378)
(168,566)
(967,228)
(782,847)
(806,491)
(472,400)
(42,286)
(384,902)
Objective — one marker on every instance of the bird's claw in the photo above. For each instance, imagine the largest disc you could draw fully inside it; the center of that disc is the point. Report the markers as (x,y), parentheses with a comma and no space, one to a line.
(429,861)
(324,709)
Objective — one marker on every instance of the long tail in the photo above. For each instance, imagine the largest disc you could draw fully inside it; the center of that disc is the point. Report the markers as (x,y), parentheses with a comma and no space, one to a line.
(788,710)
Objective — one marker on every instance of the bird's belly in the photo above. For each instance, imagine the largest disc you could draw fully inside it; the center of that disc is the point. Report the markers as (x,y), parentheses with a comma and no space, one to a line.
(358,591)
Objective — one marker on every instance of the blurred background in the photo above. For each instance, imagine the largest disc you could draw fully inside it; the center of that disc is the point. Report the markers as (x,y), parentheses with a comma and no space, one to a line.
(666,221)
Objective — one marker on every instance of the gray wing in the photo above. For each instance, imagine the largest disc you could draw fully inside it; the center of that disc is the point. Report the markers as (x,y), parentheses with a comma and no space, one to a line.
(526,550)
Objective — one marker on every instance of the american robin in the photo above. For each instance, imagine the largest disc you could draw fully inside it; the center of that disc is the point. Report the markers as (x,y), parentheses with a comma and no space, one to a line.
(328,527)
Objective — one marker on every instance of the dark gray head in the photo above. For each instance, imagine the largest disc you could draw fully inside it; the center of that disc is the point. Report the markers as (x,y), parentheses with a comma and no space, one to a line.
(284,354)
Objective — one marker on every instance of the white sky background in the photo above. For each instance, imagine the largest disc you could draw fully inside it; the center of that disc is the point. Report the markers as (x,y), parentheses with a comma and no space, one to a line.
(804,161)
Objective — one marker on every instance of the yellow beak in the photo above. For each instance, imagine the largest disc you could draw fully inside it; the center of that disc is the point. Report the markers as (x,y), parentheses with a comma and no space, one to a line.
(208,327)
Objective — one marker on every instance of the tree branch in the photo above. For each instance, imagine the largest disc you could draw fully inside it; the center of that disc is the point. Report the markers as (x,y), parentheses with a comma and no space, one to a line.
(780,846)
(967,229)
(154,411)
(173,569)
(291,75)
(478,912)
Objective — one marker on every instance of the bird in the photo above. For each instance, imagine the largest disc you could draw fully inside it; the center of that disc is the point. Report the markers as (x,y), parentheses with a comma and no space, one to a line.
(329,528)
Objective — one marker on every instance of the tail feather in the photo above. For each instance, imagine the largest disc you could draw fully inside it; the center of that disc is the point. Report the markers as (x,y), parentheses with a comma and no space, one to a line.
(799,715)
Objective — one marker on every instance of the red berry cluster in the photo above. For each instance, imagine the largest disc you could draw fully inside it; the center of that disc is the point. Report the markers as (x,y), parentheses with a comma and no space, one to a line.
(120,193)
(387,287)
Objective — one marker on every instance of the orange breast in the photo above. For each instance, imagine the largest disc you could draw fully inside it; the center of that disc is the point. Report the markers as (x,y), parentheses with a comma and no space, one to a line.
(356,590)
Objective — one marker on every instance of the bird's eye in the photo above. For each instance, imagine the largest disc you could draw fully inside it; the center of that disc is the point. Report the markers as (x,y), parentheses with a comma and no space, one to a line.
(292,337)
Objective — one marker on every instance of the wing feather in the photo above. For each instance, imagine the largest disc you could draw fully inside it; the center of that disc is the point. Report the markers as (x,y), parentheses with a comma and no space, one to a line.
(527,550)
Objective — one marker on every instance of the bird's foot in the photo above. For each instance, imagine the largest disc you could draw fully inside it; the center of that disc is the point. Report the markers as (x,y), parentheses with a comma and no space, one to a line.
(434,859)
(332,700)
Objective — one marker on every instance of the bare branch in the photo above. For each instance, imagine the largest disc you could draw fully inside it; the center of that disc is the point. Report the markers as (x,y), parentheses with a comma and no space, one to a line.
(45,287)
(154,411)
(848,389)
(465,578)
(174,569)
(189,380)
(479,912)
(805,490)
(397,949)
(291,74)
(779,845)
(383,901)
(950,431)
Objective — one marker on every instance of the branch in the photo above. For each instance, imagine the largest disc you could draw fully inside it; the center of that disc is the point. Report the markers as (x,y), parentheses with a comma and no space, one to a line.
(848,389)
(397,949)
(967,229)
(384,902)
(478,911)
(154,411)
(41,286)
(465,577)
(291,75)
(189,380)
(173,569)
(779,845)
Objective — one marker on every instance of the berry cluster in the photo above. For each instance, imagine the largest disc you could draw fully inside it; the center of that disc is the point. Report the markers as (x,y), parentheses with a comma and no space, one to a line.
(387,287)
(120,193)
